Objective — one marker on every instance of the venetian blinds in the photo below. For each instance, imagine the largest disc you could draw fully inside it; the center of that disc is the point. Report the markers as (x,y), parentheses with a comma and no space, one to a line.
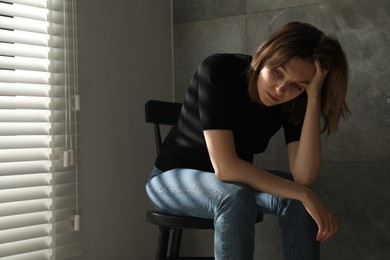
(38,188)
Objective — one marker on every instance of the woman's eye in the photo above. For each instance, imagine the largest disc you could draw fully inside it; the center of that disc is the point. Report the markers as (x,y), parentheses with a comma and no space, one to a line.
(296,86)
(277,73)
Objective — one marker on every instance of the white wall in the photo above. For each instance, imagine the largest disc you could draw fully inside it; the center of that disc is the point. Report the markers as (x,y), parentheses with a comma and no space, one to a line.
(125,59)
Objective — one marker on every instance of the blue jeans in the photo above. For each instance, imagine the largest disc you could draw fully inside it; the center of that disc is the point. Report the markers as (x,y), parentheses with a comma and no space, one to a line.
(234,208)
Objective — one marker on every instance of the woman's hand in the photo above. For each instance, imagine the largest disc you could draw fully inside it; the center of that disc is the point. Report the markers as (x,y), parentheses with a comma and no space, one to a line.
(314,88)
(326,221)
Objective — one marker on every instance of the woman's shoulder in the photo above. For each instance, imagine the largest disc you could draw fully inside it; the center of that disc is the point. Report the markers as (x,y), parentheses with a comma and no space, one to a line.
(225,65)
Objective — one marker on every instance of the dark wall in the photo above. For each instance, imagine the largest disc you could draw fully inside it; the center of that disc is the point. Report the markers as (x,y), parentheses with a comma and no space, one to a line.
(125,58)
(355,176)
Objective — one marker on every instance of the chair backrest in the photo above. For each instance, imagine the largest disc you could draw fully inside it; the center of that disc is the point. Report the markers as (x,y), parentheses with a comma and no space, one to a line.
(161,113)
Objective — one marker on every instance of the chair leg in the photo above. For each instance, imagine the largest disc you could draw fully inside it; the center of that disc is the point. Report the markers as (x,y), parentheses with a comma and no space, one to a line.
(162,244)
(176,242)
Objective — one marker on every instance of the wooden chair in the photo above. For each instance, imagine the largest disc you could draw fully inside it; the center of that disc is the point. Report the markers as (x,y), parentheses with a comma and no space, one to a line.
(167,113)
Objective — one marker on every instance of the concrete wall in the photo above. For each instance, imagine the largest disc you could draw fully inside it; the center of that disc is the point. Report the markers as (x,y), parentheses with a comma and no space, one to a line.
(355,175)
(125,59)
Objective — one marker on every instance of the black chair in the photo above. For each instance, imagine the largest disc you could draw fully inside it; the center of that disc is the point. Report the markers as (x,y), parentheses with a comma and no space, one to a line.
(167,113)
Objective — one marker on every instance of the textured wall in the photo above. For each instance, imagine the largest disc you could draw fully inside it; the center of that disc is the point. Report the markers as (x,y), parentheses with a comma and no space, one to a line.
(355,175)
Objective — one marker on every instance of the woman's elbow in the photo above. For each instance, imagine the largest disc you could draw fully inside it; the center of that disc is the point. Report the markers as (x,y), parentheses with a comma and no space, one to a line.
(307,183)
(306,176)
(305,180)
(221,172)
(225,169)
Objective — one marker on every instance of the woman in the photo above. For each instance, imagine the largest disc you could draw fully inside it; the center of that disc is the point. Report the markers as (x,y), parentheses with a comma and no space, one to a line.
(234,105)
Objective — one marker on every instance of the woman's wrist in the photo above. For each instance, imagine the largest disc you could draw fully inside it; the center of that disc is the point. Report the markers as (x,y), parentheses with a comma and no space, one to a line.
(314,97)
(304,194)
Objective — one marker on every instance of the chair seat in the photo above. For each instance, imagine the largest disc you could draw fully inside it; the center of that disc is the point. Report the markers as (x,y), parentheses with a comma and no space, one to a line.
(183,222)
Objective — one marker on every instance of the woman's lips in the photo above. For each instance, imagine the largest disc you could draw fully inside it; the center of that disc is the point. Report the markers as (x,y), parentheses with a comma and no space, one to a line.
(272,97)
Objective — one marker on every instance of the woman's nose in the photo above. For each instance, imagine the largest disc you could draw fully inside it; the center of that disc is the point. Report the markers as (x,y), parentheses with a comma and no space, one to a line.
(280,88)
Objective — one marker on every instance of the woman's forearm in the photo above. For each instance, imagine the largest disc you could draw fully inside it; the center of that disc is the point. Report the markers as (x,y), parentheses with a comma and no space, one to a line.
(307,161)
(305,155)
(262,180)
(228,167)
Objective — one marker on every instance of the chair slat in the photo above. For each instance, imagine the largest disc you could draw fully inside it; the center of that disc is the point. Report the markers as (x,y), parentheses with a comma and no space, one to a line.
(162,112)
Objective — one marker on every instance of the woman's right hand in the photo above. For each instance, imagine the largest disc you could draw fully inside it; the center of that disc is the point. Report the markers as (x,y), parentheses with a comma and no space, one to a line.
(326,221)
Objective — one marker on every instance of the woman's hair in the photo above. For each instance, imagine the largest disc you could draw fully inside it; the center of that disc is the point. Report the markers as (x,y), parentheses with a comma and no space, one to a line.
(304,41)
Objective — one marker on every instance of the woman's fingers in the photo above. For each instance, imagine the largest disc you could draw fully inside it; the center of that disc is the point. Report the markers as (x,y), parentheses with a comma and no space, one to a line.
(327,228)
(320,71)
(316,84)
(325,220)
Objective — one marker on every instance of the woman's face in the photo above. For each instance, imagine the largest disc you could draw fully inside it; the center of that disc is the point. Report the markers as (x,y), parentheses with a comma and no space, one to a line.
(282,84)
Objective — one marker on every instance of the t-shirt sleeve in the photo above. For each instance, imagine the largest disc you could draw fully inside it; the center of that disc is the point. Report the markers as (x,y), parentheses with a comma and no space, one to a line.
(215,93)
(292,131)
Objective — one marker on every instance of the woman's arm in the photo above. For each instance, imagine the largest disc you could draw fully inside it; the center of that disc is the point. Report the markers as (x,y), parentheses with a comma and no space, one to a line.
(305,154)
(229,167)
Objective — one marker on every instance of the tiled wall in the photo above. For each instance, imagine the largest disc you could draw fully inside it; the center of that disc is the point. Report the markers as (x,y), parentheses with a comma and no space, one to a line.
(355,176)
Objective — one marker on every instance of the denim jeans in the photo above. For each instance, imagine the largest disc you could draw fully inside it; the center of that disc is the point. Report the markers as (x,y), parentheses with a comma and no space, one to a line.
(234,208)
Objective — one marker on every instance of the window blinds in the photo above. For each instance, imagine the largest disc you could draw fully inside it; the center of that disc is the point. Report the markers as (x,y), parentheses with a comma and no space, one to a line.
(38,195)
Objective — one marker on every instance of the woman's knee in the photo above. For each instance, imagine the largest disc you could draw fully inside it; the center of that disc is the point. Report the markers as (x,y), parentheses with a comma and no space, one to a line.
(238,199)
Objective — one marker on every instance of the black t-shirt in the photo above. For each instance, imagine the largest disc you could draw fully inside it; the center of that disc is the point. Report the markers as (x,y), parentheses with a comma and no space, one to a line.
(217,98)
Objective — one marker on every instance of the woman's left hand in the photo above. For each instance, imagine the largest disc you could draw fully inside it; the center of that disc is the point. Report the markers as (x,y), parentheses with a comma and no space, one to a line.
(314,88)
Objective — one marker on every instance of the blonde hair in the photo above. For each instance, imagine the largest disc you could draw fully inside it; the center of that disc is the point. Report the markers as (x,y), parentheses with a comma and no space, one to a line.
(304,41)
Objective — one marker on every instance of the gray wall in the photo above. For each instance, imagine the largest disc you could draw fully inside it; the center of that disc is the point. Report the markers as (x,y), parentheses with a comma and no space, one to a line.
(125,58)
(355,176)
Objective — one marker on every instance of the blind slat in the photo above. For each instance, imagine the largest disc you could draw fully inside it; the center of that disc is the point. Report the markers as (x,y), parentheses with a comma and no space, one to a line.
(7,169)
(18,89)
(24,77)
(22,102)
(9,142)
(30,193)
(16,63)
(33,141)
(23,24)
(24,128)
(24,38)
(21,181)
(25,220)
(25,207)
(7,236)
(24,246)
(25,11)
(35,3)
(19,155)
(41,255)
(23,50)
(14,115)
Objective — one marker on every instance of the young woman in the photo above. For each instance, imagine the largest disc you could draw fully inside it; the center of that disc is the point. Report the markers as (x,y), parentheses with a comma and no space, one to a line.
(234,105)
